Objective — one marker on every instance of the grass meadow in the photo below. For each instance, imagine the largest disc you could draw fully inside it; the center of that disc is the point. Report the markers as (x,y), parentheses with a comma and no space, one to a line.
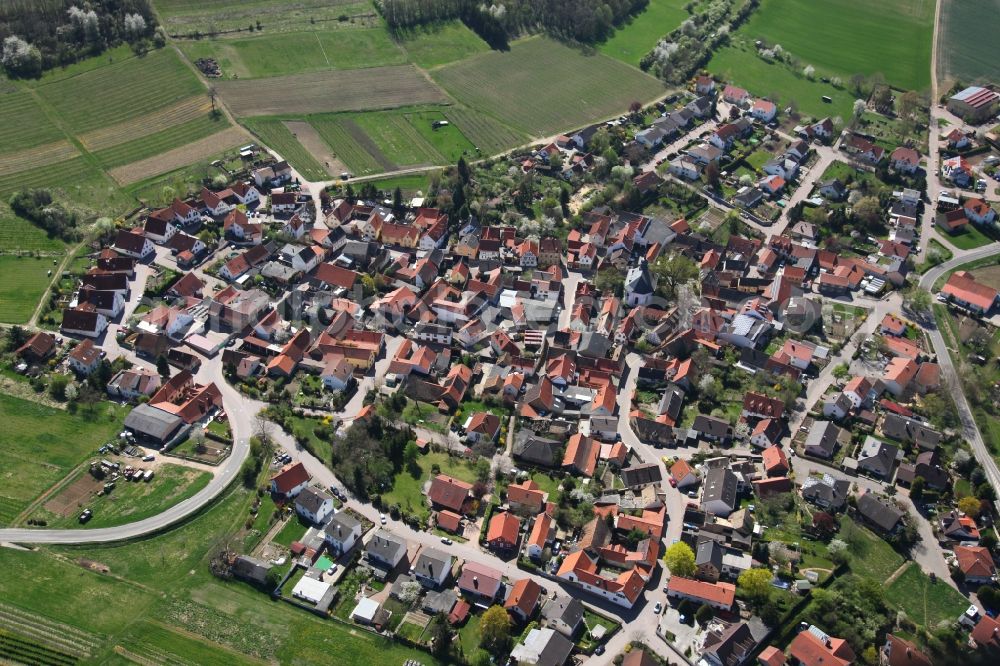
(40,445)
(19,235)
(847,37)
(924,601)
(576,89)
(190,17)
(23,280)
(161,603)
(133,501)
(741,65)
(297,53)
(638,37)
(441,44)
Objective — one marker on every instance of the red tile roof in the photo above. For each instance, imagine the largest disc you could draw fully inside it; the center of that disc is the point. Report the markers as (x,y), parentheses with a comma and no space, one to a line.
(291,475)
(719,593)
(503,529)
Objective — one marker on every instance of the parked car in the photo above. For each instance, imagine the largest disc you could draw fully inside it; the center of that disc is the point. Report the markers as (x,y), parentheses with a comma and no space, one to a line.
(658,608)
(446,541)
(86,515)
(381,518)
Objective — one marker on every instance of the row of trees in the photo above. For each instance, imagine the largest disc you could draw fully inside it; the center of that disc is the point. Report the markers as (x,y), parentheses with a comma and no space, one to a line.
(585,21)
(40,35)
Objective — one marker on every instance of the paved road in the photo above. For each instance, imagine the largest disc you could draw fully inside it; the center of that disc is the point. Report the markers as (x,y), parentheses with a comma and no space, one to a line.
(971,430)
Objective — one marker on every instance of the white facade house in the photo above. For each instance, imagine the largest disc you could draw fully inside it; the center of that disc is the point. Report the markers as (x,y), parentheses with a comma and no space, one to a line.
(314,505)
(341,532)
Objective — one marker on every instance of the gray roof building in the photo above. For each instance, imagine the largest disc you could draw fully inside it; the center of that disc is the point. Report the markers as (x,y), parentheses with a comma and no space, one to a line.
(720,493)
(563,613)
(152,424)
(340,524)
(386,548)
(910,430)
(877,457)
(641,475)
(823,439)
(879,513)
(826,491)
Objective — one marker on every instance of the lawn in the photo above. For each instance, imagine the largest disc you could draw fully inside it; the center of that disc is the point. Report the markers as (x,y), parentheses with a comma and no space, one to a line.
(23,281)
(969,50)
(469,635)
(741,65)
(440,44)
(926,602)
(39,446)
(292,531)
(641,33)
(278,54)
(133,501)
(541,86)
(407,490)
(972,237)
(274,133)
(847,37)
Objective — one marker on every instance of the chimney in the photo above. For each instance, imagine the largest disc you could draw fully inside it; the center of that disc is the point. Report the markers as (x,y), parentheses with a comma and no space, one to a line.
(475,582)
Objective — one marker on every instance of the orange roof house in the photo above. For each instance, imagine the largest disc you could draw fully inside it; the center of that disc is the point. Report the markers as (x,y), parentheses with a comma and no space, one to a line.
(527,495)
(523,599)
(449,520)
(775,461)
(502,532)
(449,493)
(717,595)
(963,289)
(813,647)
(581,455)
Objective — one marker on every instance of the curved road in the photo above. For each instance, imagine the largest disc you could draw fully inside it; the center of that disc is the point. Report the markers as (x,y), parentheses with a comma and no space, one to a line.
(971,430)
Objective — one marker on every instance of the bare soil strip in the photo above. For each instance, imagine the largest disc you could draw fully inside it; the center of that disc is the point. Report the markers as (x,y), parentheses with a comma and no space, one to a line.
(179,157)
(39,156)
(179,113)
(334,90)
(310,139)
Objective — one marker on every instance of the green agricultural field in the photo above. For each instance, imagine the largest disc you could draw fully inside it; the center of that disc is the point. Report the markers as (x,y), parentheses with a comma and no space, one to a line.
(121,91)
(397,139)
(133,501)
(297,53)
(742,66)
(449,142)
(638,37)
(541,87)
(438,45)
(926,602)
(39,446)
(23,281)
(192,17)
(160,142)
(847,37)
(20,235)
(488,135)
(275,135)
(968,50)
(345,144)
(24,124)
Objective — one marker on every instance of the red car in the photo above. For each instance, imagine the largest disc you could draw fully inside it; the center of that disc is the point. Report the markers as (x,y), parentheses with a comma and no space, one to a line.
(673,482)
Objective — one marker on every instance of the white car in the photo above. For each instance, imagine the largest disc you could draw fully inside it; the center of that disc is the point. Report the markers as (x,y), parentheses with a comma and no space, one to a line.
(446,541)
(332,570)
(658,608)
(381,518)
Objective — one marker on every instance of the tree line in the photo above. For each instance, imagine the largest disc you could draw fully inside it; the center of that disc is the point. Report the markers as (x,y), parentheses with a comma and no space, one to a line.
(585,21)
(42,34)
